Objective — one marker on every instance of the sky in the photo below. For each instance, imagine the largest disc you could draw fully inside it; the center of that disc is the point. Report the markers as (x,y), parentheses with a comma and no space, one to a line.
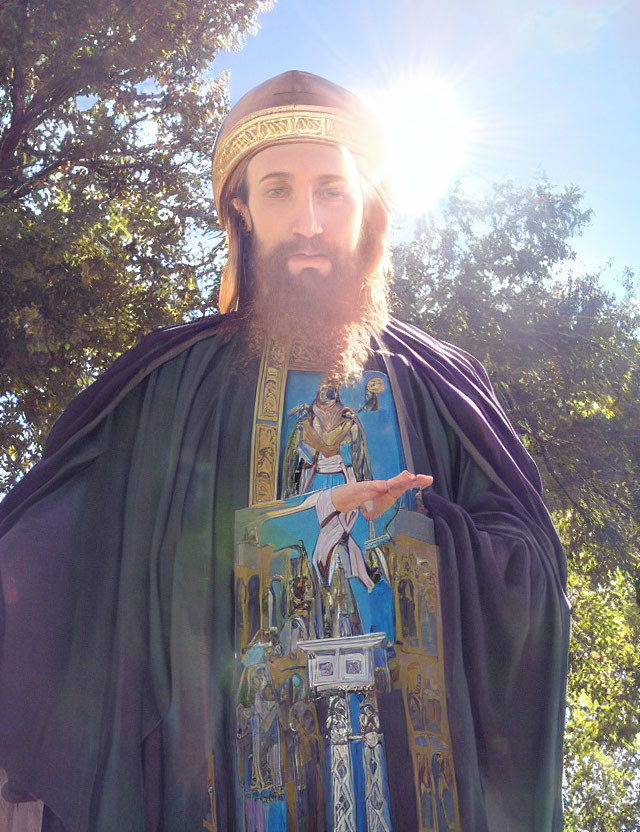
(520,88)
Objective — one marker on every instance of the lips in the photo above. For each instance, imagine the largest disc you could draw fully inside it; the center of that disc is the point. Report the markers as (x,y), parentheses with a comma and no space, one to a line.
(303,262)
(310,259)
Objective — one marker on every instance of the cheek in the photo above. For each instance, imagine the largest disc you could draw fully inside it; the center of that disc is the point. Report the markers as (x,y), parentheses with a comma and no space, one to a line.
(355,230)
(267,232)
(344,226)
(267,223)
(356,220)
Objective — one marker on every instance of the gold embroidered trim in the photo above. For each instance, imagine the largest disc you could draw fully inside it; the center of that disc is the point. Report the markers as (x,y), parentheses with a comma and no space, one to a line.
(414,565)
(265,444)
(302,357)
(212,825)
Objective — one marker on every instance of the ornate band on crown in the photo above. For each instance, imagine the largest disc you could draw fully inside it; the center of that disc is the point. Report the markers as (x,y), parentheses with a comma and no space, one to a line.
(281,124)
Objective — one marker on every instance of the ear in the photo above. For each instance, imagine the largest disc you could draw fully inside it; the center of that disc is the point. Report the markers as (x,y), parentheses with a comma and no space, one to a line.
(243,210)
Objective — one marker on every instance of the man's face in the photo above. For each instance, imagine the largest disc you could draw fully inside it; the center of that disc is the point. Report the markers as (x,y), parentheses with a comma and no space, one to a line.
(305,207)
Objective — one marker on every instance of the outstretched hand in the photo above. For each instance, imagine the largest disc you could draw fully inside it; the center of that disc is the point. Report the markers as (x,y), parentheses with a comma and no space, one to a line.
(374,497)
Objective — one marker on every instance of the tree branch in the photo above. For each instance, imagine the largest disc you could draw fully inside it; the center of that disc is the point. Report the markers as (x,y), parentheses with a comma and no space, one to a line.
(554,474)
(11,138)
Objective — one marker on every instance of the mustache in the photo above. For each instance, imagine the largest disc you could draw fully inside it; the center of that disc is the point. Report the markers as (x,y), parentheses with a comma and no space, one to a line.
(308,248)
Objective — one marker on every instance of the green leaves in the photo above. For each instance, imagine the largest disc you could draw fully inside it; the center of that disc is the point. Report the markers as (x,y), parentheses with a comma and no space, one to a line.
(603,738)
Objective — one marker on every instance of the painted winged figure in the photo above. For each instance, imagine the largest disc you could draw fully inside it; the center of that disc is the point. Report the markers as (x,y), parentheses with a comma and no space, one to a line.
(326,446)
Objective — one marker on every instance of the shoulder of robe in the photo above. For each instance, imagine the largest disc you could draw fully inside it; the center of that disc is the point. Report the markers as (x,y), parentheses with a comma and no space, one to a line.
(129,369)
(99,398)
(463,385)
(445,353)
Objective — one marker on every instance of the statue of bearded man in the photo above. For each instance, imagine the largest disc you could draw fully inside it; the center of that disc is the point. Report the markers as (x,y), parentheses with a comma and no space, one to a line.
(161,501)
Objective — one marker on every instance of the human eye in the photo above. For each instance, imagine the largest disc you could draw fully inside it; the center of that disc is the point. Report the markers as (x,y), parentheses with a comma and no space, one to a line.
(276,191)
(333,192)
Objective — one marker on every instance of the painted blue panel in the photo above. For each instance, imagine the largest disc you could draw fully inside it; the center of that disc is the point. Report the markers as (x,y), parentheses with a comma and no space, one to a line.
(380,424)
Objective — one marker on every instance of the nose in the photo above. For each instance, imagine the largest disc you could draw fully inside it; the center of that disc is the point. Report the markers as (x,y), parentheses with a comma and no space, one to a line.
(306,221)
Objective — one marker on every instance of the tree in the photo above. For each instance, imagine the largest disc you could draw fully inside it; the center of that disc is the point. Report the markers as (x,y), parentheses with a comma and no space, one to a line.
(496,276)
(107,223)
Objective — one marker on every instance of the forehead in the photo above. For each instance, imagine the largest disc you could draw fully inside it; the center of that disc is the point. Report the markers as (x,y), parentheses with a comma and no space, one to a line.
(303,159)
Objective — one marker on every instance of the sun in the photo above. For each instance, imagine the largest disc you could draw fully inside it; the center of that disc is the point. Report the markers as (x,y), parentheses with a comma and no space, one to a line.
(428,138)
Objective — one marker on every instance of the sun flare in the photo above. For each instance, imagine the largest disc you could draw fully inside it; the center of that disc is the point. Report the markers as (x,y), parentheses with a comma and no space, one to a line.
(428,137)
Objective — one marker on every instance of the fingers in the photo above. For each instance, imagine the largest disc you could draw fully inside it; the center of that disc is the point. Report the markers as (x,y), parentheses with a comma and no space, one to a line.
(406,480)
(423,481)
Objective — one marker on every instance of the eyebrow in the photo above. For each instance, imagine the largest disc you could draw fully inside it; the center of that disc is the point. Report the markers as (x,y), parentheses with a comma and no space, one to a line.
(278,174)
(331,177)
(281,174)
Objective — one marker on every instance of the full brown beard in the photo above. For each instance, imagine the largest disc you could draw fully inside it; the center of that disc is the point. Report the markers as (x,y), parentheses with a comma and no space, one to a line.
(330,315)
